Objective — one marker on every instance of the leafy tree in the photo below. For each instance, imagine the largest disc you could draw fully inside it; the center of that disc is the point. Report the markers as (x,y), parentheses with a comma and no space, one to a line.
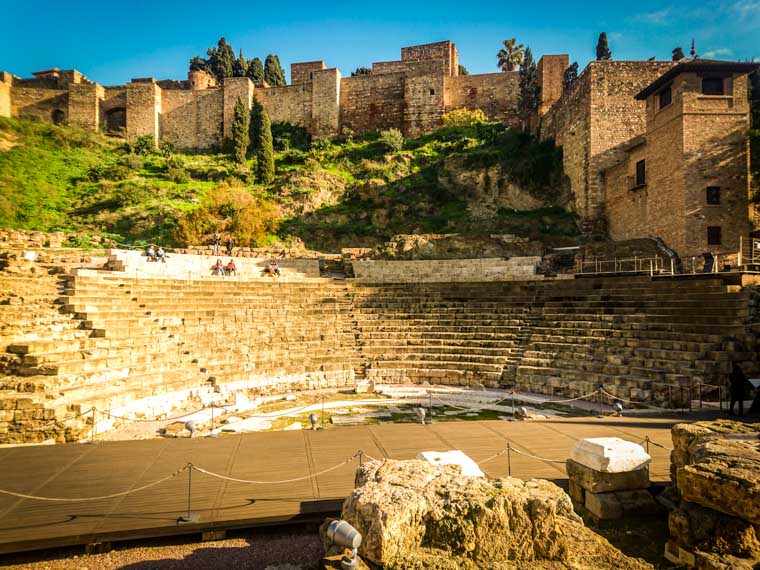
(255,70)
(463,70)
(529,96)
(199,64)
(510,56)
(603,52)
(255,125)
(221,60)
(273,73)
(361,71)
(240,67)
(678,54)
(265,153)
(570,76)
(240,132)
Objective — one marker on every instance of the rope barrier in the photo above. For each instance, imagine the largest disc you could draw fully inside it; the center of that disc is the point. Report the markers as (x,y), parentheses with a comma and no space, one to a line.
(304,478)
(112,496)
(536,456)
(570,399)
(494,456)
(79,415)
(613,397)
(650,440)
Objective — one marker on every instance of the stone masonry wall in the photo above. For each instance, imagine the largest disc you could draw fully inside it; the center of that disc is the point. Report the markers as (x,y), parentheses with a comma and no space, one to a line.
(302,72)
(423,97)
(372,102)
(143,106)
(444,51)
(291,103)
(325,104)
(382,67)
(235,88)
(192,119)
(38,103)
(494,93)
(5,96)
(551,73)
(84,105)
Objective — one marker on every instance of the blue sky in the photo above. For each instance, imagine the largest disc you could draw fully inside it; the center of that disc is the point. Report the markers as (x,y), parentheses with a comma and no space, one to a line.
(114,42)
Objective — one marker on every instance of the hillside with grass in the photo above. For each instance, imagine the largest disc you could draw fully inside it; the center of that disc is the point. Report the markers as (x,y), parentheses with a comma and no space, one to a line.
(354,191)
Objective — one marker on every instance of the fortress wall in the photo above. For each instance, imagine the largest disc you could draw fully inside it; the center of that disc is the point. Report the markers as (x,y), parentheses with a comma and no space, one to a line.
(568,123)
(5,98)
(114,97)
(372,102)
(424,97)
(84,105)
(192,119)
(325,108)
(143,109)
(494,93)
(383,67)
(38,103)
(291,103)
(302,72)
(234,88)
(440,51)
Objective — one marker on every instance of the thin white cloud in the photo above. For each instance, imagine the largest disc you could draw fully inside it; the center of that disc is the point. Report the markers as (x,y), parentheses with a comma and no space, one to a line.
(746,12)
(718,52)
(653,18)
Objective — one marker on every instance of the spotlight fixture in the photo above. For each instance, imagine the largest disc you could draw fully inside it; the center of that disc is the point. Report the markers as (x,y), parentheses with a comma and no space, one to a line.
(522,412)
(343,534)
(618,407)
(420,414)
(190,426)
(313,419)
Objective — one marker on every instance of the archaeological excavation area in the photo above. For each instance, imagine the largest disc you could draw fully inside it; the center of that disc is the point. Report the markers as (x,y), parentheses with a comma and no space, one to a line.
(106,357)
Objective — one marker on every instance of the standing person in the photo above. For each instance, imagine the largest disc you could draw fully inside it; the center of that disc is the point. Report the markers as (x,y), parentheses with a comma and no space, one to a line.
(217,243)
(737,381)
(229,244)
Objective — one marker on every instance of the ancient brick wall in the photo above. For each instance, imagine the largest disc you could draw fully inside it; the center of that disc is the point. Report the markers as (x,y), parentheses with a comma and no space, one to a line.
(494,93)
(568,123)
(291,103)
(423,97)
(143,108)
(38,103)
(235,88)
(6,82)
(382,67)
(325,104)
(551,73)
(444,51)
(372,102)
(302,72)
(192,119)
(84,105)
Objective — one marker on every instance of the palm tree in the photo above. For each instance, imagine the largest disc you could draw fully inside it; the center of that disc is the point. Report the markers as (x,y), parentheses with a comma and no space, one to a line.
(511,55)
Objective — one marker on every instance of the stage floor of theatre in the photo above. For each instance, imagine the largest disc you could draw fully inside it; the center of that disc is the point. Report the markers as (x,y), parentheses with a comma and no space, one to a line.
(83,470)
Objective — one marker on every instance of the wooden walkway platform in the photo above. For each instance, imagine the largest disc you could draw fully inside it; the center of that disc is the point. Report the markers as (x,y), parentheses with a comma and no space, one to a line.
(80,470)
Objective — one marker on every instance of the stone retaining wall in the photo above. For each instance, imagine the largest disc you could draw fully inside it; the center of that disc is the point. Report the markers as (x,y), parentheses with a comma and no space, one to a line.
(454,270)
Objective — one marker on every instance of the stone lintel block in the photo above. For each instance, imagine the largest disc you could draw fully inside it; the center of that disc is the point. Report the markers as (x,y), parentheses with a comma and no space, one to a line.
(614,505)
(601,482)
(610,454)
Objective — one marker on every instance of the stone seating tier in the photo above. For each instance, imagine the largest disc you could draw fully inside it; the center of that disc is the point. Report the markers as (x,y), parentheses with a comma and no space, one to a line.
(149,346)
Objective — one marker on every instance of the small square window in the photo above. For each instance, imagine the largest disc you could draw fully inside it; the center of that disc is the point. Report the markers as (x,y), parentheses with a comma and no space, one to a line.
(713,195)
(712,86)
(713,235)
(641,173)
(666,97)
(432,91)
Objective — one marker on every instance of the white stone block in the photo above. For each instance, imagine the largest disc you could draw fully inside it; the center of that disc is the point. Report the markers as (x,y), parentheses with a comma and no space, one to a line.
(453,457)
(610,454)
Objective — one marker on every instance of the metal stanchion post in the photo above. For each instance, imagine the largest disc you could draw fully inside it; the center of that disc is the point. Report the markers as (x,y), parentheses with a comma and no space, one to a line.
(509,459)
(322,421)
(646,440)
(513,403)
(190,517)
(361,456)
(92,431)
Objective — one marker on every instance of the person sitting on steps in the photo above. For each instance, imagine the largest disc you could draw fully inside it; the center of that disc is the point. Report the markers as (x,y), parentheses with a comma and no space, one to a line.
(230,268)
(218,268)
(161,255)
(273,270)
(151,253)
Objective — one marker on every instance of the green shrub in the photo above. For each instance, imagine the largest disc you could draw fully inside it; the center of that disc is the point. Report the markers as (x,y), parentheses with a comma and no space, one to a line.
(178,175)
(320,145)
(287,136)
(108,171)
(130,193)
(166,149)
(464,118)
(392,139)
(132,161)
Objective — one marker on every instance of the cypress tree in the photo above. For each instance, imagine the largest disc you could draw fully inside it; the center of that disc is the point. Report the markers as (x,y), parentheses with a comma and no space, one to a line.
(603,52)
(265,154)
(255,125)
(571,76)
(678,54)
(240,132)
(221,60)
(462,70)
(529,97)
(361,71)
(199,64)
(273,73)
(255,70)
(240,68)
